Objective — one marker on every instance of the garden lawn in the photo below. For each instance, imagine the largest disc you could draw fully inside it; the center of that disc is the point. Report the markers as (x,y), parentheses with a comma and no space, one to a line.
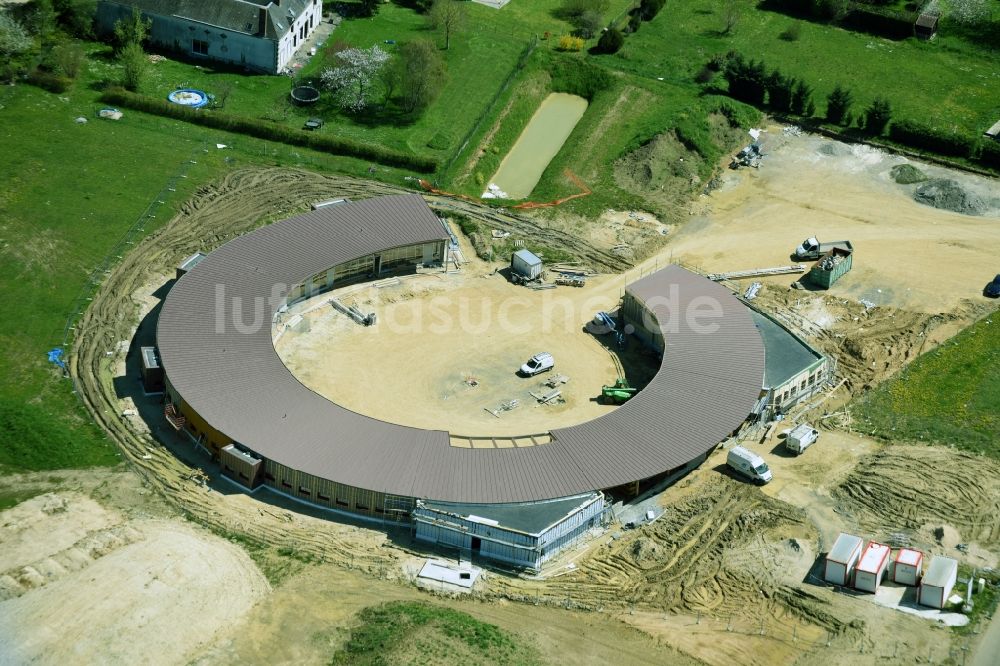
(950,395)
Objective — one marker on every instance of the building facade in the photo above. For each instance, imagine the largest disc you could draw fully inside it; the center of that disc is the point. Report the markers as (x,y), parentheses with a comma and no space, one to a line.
(260,35)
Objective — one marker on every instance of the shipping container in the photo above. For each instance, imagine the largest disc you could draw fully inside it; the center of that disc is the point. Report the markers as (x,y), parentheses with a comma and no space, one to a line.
(526,264)
(907,567)
(872,567)
(938,582)
(841,559)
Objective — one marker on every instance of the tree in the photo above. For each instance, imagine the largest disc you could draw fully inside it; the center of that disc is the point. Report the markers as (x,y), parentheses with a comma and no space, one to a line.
(648,9)
(423,75)
(76,16)
(15,43)
(802,98)
(447,16)
(747,79)
(132,30)
(351,80)
(611,41)
(780,90)
(41,22)
(732,12)
(878,115)
(134,65)
(572,9)
(68,57)
(369,7)
(968,12)
(838,104)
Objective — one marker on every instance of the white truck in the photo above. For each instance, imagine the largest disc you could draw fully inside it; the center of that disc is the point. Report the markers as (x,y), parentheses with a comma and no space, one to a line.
(800,438)
(749,464)
(811,248)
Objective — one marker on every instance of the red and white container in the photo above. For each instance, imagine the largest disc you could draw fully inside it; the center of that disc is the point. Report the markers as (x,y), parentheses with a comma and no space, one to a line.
(908,567)
(871,567)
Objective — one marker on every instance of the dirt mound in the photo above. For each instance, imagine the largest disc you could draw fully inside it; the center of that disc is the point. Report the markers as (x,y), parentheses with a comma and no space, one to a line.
(833,149)
(908,487)
(948,194)
(907,174)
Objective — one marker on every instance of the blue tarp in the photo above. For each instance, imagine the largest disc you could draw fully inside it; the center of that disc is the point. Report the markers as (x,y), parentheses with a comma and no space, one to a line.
(56,356)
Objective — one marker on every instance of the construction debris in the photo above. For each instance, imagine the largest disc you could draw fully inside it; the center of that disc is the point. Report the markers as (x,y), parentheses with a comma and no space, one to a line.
(353,313)
(752,291)
(757,272)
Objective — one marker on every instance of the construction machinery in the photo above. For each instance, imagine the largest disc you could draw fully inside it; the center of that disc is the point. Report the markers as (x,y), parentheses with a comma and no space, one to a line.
(618,392)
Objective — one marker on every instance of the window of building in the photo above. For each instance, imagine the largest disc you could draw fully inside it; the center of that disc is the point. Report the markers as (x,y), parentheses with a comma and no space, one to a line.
(360,507)
(322,497)
(199,46)
(285,484)
(244,476)
(269,476)
(342,502)
(304,490)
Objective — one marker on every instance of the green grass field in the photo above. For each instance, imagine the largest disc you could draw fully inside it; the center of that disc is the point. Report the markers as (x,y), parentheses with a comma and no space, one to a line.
(70,192)
(949,396)
(412,632)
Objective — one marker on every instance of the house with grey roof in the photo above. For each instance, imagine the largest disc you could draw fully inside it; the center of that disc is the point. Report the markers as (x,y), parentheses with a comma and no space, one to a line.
(261,35)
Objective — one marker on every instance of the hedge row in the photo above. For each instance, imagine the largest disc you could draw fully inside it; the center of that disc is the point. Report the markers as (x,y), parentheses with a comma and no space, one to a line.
(917,135)
(880,21)
(54,83)
(268,130)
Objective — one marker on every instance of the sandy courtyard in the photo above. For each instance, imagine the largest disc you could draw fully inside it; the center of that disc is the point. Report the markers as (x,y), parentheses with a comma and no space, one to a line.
(447,347)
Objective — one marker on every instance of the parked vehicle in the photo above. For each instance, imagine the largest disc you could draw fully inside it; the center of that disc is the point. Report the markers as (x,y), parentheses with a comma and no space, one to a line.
(538,363)
(618,392)
(992,290)
(801,438)
(811,248)
(749,464)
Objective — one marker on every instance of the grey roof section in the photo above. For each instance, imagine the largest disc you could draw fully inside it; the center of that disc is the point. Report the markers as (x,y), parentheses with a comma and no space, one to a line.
(705,388)
(941,571)
(786,355)
(234,15)
(844,547)
(530,518)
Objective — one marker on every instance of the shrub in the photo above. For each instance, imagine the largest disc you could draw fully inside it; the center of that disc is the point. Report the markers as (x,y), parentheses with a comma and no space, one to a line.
(648,9)
(270,131)
(921,136)
(780,89)
(634,21)
(704,75)
(802,99)
(134,65)
(877,116)
(791,33)
(989,153)
(611,41)
(54,83)
(570,43)
(838,106)
(68,58)
(579,78)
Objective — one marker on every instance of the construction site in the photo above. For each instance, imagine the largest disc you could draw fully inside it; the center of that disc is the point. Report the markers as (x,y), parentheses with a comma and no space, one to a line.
(549,444)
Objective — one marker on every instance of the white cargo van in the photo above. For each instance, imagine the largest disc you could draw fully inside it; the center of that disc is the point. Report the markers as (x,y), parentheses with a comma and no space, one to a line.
(801,438)
(749,464)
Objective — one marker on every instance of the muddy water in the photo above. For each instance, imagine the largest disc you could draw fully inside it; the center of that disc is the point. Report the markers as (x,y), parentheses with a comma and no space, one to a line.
(538,144)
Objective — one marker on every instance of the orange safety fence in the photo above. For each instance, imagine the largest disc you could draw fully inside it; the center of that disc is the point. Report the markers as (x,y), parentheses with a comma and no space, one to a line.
(584,191)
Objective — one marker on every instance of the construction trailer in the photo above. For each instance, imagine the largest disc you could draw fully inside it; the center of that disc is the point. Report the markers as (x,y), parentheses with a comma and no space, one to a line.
(151,370)
(872,567)
(241,465)
(841,559)
(938,582)
(907,567)
(526,265)
(523,535)
(831,267)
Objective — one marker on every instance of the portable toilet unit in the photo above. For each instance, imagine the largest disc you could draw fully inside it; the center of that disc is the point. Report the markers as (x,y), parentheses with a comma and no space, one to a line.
(841,559)
(871,567)
(526,264)
(936,586)
(907,567)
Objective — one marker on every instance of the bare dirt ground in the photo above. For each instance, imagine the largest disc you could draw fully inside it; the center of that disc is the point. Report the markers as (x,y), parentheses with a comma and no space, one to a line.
(725,573)
(907,255)
(447,347)
(83,582)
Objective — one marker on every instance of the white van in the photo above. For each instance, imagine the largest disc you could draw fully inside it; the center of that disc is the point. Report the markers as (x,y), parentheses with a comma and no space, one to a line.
(801,438)
(749,464)
(542,362)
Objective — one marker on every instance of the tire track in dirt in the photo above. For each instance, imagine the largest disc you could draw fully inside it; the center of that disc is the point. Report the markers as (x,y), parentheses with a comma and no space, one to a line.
(907,487)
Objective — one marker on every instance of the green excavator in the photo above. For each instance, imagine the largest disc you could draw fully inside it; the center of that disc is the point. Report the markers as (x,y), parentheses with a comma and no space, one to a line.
(618,393)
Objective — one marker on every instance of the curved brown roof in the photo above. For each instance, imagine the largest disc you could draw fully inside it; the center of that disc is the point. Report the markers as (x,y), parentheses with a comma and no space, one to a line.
(705,388)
